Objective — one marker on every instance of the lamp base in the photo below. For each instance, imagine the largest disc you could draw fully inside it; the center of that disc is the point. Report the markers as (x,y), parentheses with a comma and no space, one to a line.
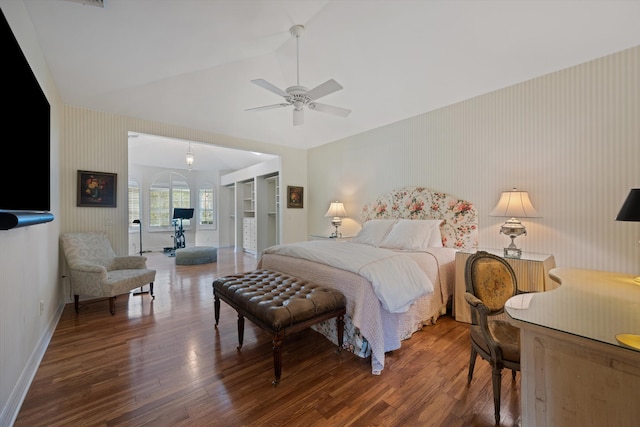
(512,252)
(336,222)
(629,340)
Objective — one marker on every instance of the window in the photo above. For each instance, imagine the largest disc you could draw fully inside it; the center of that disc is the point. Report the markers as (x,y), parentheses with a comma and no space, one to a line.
(206,207)
(134,202)
(170,190)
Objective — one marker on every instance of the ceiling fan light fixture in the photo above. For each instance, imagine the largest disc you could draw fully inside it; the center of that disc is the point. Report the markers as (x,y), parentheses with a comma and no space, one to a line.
(297,30)
(299,96)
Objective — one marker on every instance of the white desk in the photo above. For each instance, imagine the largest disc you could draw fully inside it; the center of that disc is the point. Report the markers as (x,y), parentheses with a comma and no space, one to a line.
(531,270)
(573,370)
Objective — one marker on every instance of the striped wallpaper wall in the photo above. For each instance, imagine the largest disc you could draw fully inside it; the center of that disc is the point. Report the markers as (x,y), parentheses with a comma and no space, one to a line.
(570,138)
(98,141)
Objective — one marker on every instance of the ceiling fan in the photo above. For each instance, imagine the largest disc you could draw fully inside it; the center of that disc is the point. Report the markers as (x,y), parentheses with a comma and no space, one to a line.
(300,96)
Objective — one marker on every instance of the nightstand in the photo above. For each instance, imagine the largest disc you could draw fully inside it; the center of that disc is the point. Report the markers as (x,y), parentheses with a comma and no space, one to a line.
(531,269)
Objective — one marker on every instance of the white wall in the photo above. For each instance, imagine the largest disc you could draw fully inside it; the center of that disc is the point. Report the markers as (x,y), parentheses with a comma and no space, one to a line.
(29,255)
(570,138)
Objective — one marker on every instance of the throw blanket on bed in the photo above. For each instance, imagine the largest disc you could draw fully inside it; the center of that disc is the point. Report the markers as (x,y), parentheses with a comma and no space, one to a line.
(382,267)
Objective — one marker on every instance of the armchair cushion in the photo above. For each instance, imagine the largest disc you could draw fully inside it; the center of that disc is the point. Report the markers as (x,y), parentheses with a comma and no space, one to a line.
(505,335)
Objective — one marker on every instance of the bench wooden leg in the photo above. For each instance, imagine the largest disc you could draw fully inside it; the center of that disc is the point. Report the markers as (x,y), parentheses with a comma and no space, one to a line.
(240,330)
(277,361)
(216,308)
(112,305)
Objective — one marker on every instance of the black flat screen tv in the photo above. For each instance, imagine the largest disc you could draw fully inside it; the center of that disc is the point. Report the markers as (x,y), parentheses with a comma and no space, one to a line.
(25,178)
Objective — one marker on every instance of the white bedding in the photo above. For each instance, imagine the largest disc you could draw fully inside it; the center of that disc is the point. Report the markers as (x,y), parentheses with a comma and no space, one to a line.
(433,224)
(384,330)
(382,267)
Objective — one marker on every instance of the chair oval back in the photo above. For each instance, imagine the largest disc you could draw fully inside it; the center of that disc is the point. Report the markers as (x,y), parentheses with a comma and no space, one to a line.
(491,279)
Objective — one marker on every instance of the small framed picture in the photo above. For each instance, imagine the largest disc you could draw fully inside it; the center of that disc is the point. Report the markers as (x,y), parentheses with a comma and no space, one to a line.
(96,189)
(295,197)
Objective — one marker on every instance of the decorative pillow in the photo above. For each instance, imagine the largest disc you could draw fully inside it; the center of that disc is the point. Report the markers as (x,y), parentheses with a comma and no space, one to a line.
(374,231)
(412,234)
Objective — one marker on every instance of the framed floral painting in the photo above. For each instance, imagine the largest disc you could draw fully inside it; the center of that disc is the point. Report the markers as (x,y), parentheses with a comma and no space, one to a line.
(96,189)
(295,197)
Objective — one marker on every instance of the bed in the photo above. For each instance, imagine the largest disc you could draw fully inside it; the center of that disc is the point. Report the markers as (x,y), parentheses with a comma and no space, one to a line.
(409,237)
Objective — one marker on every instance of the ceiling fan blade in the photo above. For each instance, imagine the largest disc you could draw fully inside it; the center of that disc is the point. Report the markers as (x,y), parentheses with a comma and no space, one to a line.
(268,86)
(267,107)
(324,89)
(331,109)
(298,117)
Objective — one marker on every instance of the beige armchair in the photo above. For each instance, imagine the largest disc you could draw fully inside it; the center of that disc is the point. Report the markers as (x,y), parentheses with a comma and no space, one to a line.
(95,270)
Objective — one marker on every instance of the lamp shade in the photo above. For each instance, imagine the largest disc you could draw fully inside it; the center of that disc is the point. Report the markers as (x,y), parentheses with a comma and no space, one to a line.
(336,209)
(630,210)
(514,204)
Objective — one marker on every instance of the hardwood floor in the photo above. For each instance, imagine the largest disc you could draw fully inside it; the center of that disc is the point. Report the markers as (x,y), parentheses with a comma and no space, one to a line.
(163,363)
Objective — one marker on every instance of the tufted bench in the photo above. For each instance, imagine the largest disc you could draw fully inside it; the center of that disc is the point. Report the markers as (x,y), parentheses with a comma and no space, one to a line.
(196,255)
(279,304)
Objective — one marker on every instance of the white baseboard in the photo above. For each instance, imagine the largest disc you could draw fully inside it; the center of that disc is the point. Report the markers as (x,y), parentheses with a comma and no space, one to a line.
(14,403)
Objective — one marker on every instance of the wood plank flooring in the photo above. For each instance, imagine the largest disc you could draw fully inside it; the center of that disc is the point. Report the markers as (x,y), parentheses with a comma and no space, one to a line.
(163,363)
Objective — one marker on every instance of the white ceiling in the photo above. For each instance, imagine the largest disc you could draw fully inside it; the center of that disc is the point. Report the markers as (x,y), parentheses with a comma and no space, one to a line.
(190,62)
(158,151)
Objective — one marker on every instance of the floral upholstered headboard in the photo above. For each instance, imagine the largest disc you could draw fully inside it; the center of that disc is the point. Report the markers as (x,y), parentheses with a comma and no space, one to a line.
(459,228)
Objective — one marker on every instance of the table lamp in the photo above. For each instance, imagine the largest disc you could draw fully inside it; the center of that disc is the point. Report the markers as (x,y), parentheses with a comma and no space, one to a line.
(336,210)
(514,204)
(630,211)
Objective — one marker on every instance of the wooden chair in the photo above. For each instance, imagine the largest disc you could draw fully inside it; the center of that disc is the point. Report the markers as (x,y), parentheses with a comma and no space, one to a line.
(95,270)
(490,282)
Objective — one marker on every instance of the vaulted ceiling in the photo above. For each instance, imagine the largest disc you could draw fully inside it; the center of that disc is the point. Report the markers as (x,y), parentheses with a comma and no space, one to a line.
(190,62)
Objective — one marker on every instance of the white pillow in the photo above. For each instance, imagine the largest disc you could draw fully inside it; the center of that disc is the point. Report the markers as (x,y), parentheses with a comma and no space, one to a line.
(435,239)
(374,231)
(411,234)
